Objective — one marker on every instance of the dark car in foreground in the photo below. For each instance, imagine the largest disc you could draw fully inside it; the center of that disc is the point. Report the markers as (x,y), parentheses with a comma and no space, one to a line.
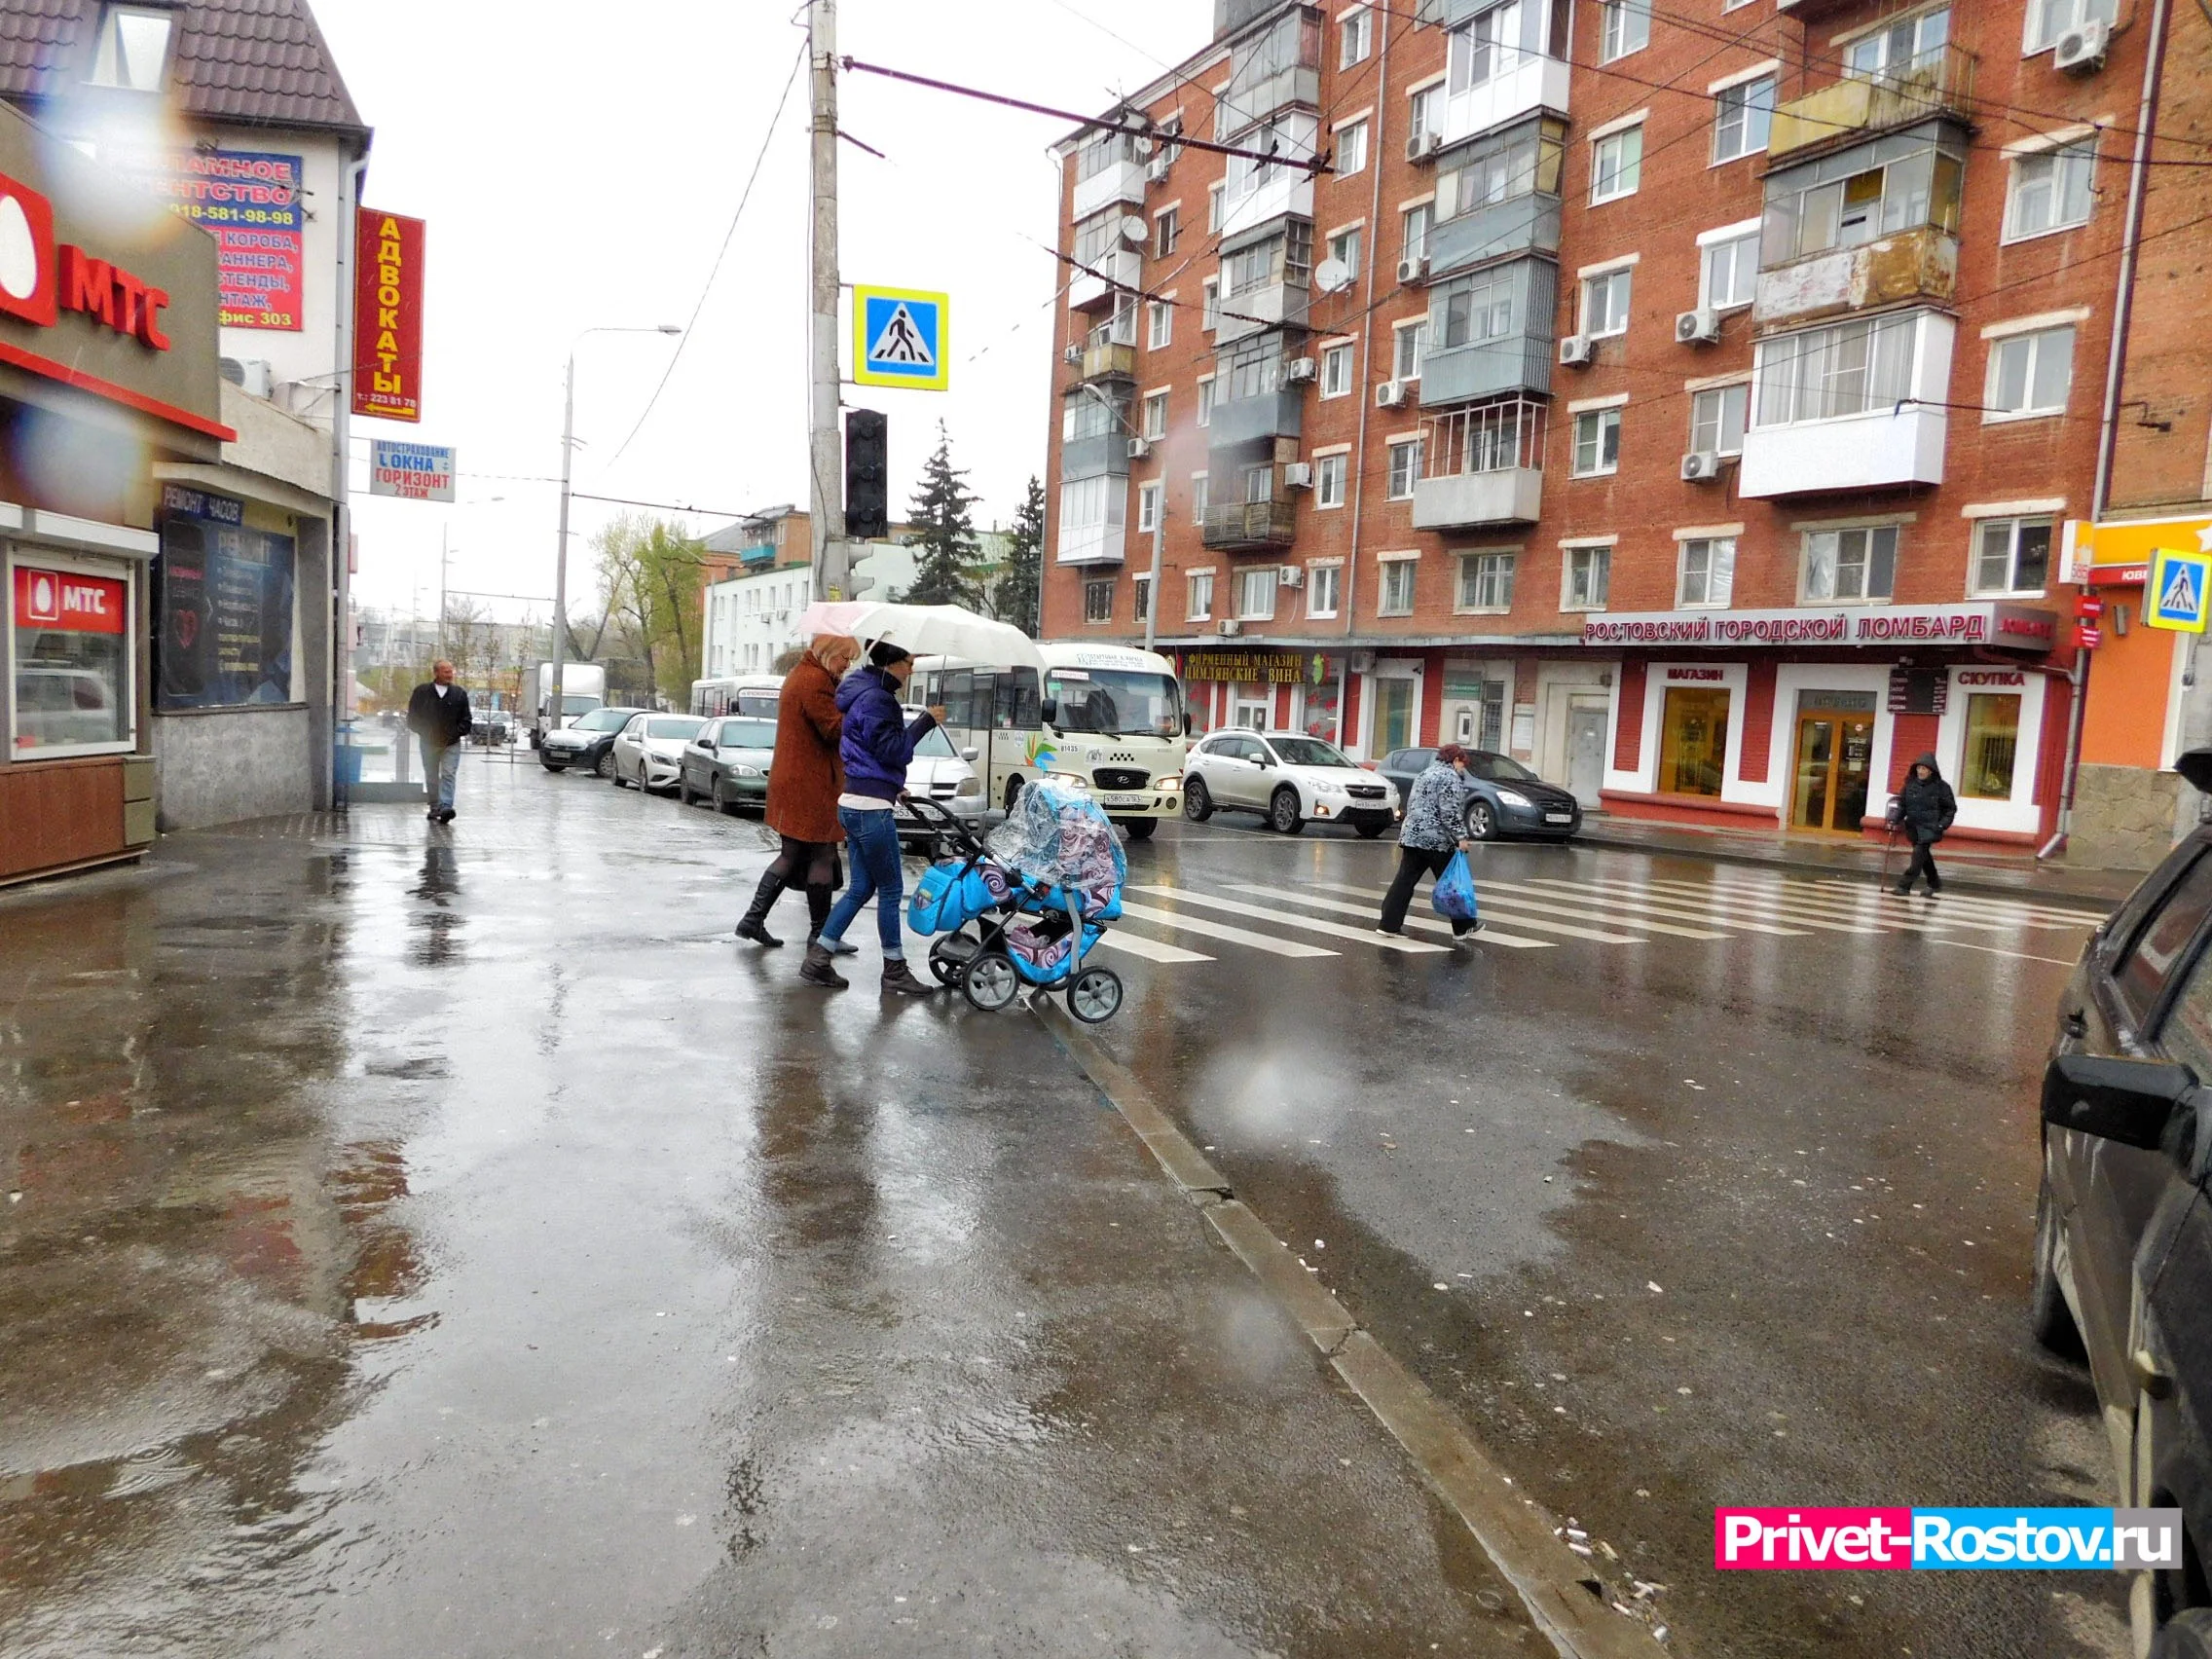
(727,763)
(2123,1221)
(587,744)
(1510,799)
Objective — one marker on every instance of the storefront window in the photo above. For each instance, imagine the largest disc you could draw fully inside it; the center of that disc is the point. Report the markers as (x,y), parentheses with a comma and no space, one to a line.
(1321,704)
(1993,744)
(1693,741)
(225,604)
(1394,714)
(71,628)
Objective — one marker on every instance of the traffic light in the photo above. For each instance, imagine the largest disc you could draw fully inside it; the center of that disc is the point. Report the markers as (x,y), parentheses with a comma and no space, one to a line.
(867,475)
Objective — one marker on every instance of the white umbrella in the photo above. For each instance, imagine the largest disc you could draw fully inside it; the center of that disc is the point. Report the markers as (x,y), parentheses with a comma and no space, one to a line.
(928,630)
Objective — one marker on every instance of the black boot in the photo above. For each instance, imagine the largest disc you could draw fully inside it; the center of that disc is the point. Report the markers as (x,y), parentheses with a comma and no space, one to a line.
(754,926)
(820,969)
(900,978)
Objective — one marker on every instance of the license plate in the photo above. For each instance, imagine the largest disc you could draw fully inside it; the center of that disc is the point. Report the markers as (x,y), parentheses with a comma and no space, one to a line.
(1124,800)
(1559,818)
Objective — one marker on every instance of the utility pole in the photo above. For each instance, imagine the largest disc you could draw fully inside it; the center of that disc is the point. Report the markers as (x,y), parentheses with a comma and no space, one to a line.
(827,494)
(561,553)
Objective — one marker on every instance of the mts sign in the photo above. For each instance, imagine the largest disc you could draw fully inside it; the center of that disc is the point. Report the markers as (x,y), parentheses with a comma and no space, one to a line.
(40,278)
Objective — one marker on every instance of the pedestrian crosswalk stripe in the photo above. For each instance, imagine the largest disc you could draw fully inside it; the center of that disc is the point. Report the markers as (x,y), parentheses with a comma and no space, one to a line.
(1884,913)
(2021,912)
(1531,923)
(1150,949)
(1658,906)
(1421,923)
(1866,904)
(2053,915)
(1512,896)
(1365,935)
(1222,931)
(1776,909)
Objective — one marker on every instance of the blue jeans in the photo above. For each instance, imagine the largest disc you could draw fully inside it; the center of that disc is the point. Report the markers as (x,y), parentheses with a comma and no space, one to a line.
(873,838)
(441,771)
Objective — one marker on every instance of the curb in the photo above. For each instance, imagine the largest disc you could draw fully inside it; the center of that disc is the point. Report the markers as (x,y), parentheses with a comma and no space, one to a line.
(1565,1596)
(1963,879)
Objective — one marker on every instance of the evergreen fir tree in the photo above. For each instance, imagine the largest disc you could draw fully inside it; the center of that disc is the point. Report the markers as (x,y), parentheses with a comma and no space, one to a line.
(1019,591)
(944,532)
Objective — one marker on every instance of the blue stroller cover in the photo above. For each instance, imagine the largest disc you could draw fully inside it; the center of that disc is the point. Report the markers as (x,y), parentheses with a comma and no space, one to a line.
(1062,838)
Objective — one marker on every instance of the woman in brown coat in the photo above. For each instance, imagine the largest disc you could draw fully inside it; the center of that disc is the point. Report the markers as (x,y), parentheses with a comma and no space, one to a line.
(804,780)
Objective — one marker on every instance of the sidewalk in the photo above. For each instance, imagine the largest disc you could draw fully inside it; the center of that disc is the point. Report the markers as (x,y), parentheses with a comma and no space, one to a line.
(1966,868)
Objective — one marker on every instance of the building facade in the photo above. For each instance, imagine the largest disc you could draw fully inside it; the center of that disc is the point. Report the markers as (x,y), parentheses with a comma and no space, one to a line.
(1701,404)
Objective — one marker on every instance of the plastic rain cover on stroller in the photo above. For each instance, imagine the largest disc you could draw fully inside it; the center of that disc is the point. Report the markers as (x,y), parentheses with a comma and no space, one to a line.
(1062,838)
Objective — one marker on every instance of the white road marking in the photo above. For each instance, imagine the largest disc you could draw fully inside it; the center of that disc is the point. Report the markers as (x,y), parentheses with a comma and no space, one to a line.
(1374,896)
(1580,908)
(2010,909)
(1488,935)
(1150,949)
(1723,909)
(1543,887)
(1335,930)
(1869,906)
(1992,950)
(1221,931)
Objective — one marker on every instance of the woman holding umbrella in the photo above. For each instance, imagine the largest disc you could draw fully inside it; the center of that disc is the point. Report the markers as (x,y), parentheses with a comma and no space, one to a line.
(803,786)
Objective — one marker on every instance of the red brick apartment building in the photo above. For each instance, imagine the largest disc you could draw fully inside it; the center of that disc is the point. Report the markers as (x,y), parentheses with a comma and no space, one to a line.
(1699,401)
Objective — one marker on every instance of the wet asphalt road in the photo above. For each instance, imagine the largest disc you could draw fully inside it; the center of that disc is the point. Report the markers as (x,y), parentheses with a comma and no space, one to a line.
(449,1241)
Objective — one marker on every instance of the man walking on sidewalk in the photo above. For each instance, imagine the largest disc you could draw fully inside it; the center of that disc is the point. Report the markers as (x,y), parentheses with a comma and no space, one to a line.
(437,714)
(1924,810)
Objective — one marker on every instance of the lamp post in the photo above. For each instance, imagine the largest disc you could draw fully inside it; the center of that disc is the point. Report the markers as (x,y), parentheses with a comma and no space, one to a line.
(560,552)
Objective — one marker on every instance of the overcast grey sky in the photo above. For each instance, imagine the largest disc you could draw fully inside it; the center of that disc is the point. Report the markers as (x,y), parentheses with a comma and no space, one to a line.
(578,166)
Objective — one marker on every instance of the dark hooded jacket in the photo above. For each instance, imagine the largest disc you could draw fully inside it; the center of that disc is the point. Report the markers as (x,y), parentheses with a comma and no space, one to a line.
(1925,808)
(876,744)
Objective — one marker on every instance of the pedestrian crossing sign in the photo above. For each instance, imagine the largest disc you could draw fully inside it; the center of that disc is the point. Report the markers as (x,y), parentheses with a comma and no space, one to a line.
(2180,586)
(899,337)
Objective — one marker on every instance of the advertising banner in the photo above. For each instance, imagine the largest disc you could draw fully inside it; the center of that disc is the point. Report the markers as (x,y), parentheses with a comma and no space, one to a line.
(250,201)
(387,317)
(226,604)
(67,602)
(413,472)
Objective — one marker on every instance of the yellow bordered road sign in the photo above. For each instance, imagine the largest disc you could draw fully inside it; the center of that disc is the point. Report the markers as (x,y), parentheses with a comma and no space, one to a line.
(2177,594)
(900,337)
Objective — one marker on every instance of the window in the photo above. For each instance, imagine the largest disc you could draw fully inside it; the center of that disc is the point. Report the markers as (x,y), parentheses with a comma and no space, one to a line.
(1166,230)
(1209,313)
(1588,576)
(1156,415)
(1530,161)
(1396,598)
(73,633)
(1716,418)
(1418,221)
(1324,586)
(1597,442)
(1616,165)
(1101,150)
(1847,565)
(1993,745)
(2051,191)
(1090,414)
(1214,195)
(1693,741)
(1476,309)
(1094,237)
(1843,202)
(1624,27)
(1284,258)
(1486,581)
(1141,595)
(1355,38)
(1259,485)
(1351,149)
(1092,511)
(1159,323)
(1198,603)
(1198,497)
(1256,593)
(1708,570)
(1742,115)
(133,43)
(2011,555)
(1412,340)
(1900,46)
(1604,302)
(2154,949)
(2050,20)
(1729,273)
(1848,368)
(1148,507)
(1484,46)
(1345,246)
(2030,374)
(1329,481)
(1405,469)
(1336,371)
(1098,600)
(1425,112)
(1205,400)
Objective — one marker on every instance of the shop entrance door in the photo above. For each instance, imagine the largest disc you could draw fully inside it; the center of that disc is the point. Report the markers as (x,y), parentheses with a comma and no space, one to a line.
(1586,750)
(1835,762)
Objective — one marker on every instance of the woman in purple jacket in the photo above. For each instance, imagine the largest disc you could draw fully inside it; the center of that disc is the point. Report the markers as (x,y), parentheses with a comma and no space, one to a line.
(876,747)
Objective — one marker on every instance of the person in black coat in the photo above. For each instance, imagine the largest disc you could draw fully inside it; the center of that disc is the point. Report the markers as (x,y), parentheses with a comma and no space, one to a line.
(1924,810)
(437,714)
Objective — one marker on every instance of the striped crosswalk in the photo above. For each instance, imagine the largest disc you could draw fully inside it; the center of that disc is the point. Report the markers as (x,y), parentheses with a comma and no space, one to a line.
(1610,908)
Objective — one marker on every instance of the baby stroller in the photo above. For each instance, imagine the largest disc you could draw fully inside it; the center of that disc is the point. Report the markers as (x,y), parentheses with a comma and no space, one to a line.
(1027,904)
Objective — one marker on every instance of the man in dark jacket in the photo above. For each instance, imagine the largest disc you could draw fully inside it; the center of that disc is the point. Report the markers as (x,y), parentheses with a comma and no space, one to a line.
(437,714)
(876,746)
(1924,810)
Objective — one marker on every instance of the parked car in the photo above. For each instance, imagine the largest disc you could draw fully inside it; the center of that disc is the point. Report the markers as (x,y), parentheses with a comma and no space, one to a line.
(1287,778)
(649,751)
(2123,1269)
(727,763)
(942,774)
(1510,799)
(587,743)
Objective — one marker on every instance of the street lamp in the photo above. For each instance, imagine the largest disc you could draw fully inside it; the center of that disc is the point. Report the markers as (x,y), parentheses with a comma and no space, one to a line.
(561,556)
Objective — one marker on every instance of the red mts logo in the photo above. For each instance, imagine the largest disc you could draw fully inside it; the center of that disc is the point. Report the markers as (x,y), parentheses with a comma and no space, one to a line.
(68,601)
(29,285)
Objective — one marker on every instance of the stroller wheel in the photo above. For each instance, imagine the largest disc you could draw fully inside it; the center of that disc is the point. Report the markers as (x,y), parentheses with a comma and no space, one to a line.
(1095,996)
(990,982)
(949,957)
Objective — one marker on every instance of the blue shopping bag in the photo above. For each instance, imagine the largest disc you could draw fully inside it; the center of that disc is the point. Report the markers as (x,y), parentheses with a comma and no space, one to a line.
(1455,895)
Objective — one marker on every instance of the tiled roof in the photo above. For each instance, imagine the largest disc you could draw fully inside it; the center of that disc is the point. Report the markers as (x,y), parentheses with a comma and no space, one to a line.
(254,62)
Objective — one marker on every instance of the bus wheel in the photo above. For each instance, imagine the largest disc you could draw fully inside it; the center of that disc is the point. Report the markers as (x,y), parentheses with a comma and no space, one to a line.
(1139,829)
(1013,794)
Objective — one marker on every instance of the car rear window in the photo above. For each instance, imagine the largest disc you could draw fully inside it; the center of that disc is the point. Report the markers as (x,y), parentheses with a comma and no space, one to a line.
(2147,959)
(2187,1035)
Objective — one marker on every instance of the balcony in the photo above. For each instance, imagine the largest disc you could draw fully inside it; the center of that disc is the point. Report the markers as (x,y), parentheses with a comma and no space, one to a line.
(1849,406)
(1272,303)
(1251,525)
(1112,360)
(1887,447)
(1118,270)
(1481,466)
(1240,420)
(1525,224)
(1937,82)
(1912,265)
(1105,455)
(1119,181)
(1485,367)
(759,556)
(1531,81)
(1092,545)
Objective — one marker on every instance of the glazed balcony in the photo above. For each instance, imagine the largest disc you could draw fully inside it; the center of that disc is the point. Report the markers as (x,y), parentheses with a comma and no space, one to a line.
(1112,273)
(1911,265)
(1251,525)
(1937,81)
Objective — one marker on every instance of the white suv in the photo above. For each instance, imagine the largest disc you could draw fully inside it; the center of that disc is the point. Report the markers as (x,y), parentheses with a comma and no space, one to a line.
(1287,778)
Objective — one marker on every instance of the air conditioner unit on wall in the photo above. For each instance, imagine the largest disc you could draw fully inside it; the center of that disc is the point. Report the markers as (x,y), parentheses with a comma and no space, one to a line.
(1156,169)
(1299,370)
(1700,466)
(1290,577)
(1574,351)
(1390,394)
(2082,51)
(1231,627)
(1139,448)
(1298,476)
(1072,354)
(1698,327)
(1414,269)
(1421,146)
